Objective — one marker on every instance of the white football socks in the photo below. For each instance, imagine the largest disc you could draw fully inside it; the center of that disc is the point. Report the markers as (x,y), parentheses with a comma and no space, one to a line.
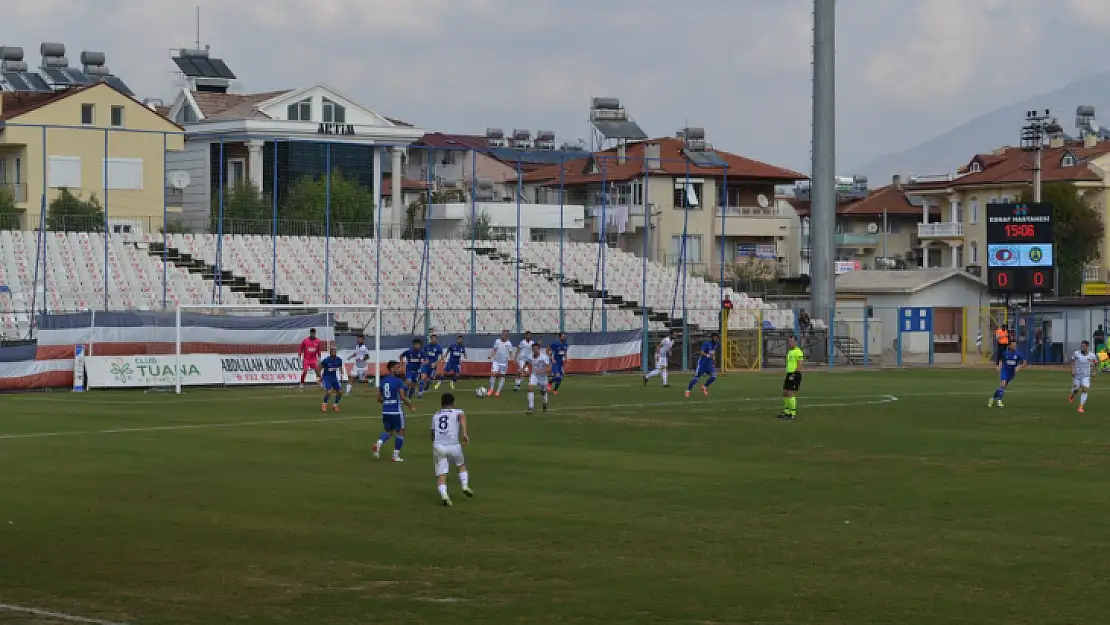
(531,400)
(1082,399)
(464,479)
(500,384)
(492,381)
(442,488)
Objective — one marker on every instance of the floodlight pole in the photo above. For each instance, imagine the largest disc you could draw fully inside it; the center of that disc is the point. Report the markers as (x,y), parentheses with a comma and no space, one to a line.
(1038,126)
(823,167)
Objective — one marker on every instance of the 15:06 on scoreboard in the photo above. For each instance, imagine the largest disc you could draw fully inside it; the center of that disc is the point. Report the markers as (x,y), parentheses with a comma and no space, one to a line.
(1020,248)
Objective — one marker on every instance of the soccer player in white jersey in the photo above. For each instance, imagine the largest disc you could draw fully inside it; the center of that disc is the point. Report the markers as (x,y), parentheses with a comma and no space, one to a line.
(502,351)
(661,355)
(523,353)
(361,358)
(538,367)
(448,436)
(1084,364)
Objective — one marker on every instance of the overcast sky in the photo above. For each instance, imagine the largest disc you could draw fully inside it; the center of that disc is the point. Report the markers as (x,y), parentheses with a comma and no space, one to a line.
(907,70)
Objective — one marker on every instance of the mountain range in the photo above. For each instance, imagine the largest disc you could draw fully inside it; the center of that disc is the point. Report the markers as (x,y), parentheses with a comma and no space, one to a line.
(946,152)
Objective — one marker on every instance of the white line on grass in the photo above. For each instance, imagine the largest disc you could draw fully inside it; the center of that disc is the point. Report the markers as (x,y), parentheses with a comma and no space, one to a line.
(58,616)
(869,400)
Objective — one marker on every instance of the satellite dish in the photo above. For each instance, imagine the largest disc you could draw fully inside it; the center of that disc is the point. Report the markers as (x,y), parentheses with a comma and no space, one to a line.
(178,179)
(762,199)
(872,228)
(1093,126)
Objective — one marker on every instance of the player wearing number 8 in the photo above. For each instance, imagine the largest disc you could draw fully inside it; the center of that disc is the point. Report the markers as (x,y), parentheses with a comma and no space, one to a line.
(448,436)
(391,395)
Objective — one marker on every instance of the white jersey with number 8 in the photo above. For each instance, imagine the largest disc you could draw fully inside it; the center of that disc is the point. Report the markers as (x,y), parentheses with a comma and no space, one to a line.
(446,449)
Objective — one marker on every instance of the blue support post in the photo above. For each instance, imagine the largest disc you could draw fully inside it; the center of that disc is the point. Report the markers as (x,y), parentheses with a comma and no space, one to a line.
(724,212)
(428,246)
(274,220)
(327,222)
(645,351)
(562,238)
(519,191)
(898,339)
(217,291)
(685,232)
(832,336)
(40,241)
(107,229)
(473,238)
(602,261)
(378,241)
(600,242)
(932,348)
(165,218)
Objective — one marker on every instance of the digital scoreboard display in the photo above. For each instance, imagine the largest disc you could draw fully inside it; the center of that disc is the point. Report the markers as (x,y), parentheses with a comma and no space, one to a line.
(1020,249)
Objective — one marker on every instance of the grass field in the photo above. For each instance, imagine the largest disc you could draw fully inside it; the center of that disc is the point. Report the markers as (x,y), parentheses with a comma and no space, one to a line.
(896,497)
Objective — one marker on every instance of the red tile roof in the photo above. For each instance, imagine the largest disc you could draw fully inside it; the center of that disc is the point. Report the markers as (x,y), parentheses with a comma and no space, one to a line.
(407,184)
(1014,166)
(212,104)
(671,163)
(889,198)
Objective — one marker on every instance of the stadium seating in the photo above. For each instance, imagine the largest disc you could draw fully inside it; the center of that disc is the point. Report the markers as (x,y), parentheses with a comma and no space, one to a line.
(74,272)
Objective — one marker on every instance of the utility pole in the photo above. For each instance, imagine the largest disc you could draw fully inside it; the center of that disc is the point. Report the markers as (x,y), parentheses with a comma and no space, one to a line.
(823,168)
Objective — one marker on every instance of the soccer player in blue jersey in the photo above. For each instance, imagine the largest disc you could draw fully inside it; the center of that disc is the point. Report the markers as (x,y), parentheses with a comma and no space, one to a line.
(559,359)
(392,395)
(328,372)
(1011,362)
(412,360)
(706,365)
(429,368)
(453,366)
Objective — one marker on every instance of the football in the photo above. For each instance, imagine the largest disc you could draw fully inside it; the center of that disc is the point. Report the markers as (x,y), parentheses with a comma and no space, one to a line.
(480,391)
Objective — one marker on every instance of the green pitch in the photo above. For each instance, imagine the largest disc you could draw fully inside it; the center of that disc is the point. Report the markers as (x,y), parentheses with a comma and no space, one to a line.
(896,497)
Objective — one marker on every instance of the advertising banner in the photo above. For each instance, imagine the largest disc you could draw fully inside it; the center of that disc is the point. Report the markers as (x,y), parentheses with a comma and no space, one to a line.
(148,371)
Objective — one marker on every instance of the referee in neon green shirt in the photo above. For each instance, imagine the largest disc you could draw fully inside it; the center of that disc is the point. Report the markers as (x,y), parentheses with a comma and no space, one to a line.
(793,381)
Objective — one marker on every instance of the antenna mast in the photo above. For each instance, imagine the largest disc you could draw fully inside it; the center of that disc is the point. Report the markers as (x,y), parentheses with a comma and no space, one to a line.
(198,27)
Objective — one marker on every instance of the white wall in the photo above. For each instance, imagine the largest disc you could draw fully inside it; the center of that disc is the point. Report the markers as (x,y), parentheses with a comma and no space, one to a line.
(193,160)
(951,293)
(504,214)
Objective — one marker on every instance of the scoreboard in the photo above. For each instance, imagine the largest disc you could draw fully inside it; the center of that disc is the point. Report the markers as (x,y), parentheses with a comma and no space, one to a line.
(1020,249)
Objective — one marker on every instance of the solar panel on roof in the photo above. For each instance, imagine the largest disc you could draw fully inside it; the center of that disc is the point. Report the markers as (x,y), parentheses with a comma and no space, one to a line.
(612,129)
(704,159)
(222,69)
(36,81)
(118,84)
(57,76)
(205,68)
(16,82)
(79,77)
(185,64)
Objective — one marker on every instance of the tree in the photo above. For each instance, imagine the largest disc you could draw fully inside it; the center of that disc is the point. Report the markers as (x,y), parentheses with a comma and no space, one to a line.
(352,205)
(245,211)
(483,227)
(417,207)
(1077,229)
(69,213)
(9,218)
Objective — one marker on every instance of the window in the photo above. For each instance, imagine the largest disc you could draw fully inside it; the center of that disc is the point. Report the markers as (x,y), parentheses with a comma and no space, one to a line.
(974,248)
(1067,161)
(88,114)
(959,256)
(687,196)
(958,211)
(842,226)
(63,172)
(117,116)
(300,111)
(637,193)
(186,115)
(693,248)
(18,170)
(123,174)
(892,226)
(975,167)
(236,172)
(334,113)
(974,206)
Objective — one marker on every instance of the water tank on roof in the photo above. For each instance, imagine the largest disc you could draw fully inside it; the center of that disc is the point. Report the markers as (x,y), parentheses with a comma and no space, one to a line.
(606,103)
(694,134)
(92,58)
(52,49)
(522,135)
(1084,110)
(495,133)
(11,53)
(193,52)
(545,135)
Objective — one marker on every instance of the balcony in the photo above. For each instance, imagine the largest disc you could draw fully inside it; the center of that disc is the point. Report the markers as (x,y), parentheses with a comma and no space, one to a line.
(942,230)
(750,221)
(17,190)
(857,239)
(1092,273)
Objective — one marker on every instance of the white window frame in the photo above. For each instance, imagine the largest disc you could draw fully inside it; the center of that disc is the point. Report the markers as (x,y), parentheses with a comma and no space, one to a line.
(63,172)
(234,180)
(973,203)
(122,116)
(1067,161)
(330,108)
(122,174)
(91,108)
(975,167)
(299,108)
